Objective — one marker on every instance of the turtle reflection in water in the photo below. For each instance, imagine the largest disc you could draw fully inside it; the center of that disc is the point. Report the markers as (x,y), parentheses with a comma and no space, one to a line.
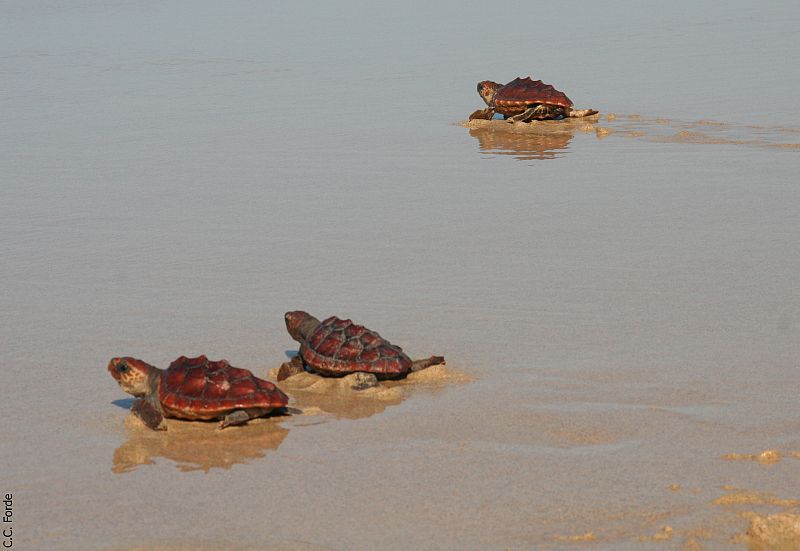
(547,140)
(525,100)
(197,446)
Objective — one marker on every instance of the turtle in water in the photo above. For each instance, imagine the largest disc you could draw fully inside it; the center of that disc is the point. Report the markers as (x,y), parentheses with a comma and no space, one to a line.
(524,100)
(195,388)
(336,347)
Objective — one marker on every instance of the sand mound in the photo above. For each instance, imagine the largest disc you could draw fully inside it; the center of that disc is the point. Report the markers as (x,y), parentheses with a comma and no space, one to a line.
(337,395)
(780,531)
(767,457)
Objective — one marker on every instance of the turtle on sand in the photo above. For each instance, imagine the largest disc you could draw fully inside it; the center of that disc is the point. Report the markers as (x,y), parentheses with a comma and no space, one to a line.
(524,100)
(195,388)
(336,347)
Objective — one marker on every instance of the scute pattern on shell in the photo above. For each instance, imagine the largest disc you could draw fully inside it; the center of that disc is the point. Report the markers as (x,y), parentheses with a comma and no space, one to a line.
(523,91)
(339,347)
(203,389)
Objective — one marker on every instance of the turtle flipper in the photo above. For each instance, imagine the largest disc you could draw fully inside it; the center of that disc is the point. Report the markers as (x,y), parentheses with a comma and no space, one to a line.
(524,116)
(149,414)
(236,417)
(484,114)
(541,112)
(290,368)
(242,416)
(582,112)
(360,380)
(418,365)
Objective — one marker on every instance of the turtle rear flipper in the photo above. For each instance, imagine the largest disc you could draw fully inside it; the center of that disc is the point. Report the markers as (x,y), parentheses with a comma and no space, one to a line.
(360,380)
(236,417)
(149,414)
(582,112)
(242,416)
(419,365)
(540,112)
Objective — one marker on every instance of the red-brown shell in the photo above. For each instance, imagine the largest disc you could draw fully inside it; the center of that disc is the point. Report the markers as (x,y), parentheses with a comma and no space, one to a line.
(197,388)
(521,92)
(339,347)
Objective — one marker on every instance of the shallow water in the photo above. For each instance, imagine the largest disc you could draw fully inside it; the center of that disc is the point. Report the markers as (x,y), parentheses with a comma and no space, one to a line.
(621,292)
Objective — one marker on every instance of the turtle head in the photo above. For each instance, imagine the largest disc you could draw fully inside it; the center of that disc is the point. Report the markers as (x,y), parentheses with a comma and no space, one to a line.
(487,90)
(132,375)
(300,324)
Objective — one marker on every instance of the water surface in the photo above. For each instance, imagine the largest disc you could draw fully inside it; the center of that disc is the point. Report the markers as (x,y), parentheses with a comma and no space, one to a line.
(176,176)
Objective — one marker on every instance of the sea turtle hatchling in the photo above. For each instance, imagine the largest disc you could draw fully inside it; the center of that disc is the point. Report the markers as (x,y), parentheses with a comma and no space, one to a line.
(337,347)
(195,388)
(524,100)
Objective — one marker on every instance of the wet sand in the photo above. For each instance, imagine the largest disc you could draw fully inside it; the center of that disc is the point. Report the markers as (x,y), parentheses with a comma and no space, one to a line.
(616,297)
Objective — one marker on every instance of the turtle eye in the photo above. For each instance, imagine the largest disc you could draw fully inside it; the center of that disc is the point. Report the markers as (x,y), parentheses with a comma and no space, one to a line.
(123,367)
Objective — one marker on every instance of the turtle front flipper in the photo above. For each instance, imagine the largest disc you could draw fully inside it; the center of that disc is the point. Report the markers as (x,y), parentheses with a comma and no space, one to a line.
(290,368)
(418,365)
(149,414)
(484,114)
